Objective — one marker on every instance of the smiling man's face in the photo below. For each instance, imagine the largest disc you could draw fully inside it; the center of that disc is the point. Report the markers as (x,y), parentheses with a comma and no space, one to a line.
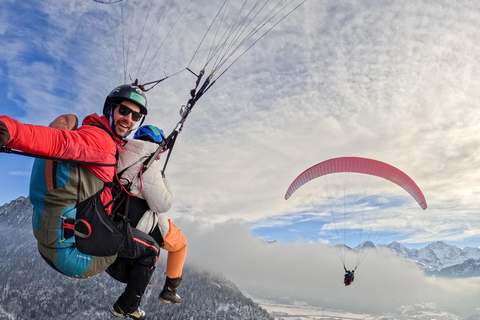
(124,123)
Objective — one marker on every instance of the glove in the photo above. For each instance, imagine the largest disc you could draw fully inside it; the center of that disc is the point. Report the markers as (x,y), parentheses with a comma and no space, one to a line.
(4,134)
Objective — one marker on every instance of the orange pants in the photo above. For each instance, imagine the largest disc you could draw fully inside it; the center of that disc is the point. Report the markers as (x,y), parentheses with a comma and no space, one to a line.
(176,245)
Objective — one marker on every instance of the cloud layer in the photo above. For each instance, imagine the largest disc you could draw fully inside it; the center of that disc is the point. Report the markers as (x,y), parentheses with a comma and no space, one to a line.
(312,272)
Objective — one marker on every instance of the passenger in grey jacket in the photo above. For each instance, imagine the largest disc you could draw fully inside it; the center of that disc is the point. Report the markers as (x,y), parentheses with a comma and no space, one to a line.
(153,187)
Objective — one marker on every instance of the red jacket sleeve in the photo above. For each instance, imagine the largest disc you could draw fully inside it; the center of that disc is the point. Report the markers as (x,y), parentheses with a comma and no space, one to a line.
(87,143)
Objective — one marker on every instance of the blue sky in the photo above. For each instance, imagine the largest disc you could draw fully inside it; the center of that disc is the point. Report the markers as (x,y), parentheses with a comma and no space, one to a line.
(392,82)
(395,81)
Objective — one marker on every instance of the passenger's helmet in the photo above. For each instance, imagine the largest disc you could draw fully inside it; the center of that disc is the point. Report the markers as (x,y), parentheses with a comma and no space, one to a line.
(149,133)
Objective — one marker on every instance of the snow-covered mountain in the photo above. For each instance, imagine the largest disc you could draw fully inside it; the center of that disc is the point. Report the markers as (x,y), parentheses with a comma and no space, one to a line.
(437,255)
(441,255)
(468,269)
(438,258)
(17,213)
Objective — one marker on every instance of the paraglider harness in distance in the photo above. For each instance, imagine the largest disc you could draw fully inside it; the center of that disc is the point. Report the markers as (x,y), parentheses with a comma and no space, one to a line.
(349,276)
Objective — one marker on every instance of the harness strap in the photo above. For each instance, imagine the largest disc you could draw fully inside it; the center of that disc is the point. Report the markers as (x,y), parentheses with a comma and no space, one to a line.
(80,228)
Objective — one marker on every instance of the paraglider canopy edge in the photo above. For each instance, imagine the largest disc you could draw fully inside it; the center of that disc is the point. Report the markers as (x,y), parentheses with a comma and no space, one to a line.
(359,165)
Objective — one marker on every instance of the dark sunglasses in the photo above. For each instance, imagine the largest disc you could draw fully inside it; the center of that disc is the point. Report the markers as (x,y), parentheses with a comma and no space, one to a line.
(125,111)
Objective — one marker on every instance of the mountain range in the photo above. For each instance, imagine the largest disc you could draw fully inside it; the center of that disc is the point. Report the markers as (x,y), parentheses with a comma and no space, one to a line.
(437,258)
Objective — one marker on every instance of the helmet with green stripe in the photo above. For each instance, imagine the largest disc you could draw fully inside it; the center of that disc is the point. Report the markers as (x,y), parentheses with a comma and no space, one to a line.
(129,92)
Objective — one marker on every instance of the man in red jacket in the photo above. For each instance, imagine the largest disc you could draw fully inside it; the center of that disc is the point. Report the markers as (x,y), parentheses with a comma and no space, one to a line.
(72,201)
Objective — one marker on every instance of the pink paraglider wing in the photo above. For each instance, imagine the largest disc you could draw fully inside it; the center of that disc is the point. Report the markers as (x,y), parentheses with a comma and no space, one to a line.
(359,165)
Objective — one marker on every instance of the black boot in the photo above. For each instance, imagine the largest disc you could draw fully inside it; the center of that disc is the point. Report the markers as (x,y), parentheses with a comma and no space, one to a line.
(127,306)
(169,292)
(138,314)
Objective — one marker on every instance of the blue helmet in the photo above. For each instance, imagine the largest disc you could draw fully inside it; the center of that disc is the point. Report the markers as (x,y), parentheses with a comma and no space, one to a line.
(149,133)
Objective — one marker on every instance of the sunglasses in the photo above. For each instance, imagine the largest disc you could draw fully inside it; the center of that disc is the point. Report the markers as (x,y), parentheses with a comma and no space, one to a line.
(125,111)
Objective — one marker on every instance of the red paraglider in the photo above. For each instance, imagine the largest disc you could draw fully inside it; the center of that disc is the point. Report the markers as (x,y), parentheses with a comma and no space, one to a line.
(359,165)
(362,166)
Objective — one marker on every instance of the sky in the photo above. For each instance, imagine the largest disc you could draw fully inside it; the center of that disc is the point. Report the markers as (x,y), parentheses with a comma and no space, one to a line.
(394,81)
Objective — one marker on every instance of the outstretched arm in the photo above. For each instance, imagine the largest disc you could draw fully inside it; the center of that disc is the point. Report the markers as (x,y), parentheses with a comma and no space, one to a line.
(86,144)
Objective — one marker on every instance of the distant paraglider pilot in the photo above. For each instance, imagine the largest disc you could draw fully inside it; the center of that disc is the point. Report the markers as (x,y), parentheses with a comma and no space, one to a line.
(349,276)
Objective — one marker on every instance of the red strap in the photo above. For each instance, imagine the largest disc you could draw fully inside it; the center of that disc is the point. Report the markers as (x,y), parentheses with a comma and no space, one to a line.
(68,226)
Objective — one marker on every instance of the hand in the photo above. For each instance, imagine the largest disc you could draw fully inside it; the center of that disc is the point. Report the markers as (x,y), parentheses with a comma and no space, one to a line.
(4,134)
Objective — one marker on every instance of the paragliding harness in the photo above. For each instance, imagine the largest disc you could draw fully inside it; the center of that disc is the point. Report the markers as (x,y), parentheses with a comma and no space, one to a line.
(75,234)
(107,236)
(349,276)
(95,232)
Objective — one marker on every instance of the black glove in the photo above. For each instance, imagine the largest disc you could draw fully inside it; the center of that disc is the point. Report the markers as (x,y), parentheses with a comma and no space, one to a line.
(4,134)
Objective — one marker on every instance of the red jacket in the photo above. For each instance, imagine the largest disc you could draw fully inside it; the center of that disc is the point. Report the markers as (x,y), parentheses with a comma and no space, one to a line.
(87,143)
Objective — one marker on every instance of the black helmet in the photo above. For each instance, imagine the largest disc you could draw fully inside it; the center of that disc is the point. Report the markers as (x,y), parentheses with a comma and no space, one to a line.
(129,92)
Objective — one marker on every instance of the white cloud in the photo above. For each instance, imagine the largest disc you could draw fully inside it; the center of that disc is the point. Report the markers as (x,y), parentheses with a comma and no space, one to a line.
(313,272)
(19,173)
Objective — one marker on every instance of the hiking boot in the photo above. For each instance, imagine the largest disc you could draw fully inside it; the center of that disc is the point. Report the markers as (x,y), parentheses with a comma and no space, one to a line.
(138,314)
(169,292)
(170,296)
